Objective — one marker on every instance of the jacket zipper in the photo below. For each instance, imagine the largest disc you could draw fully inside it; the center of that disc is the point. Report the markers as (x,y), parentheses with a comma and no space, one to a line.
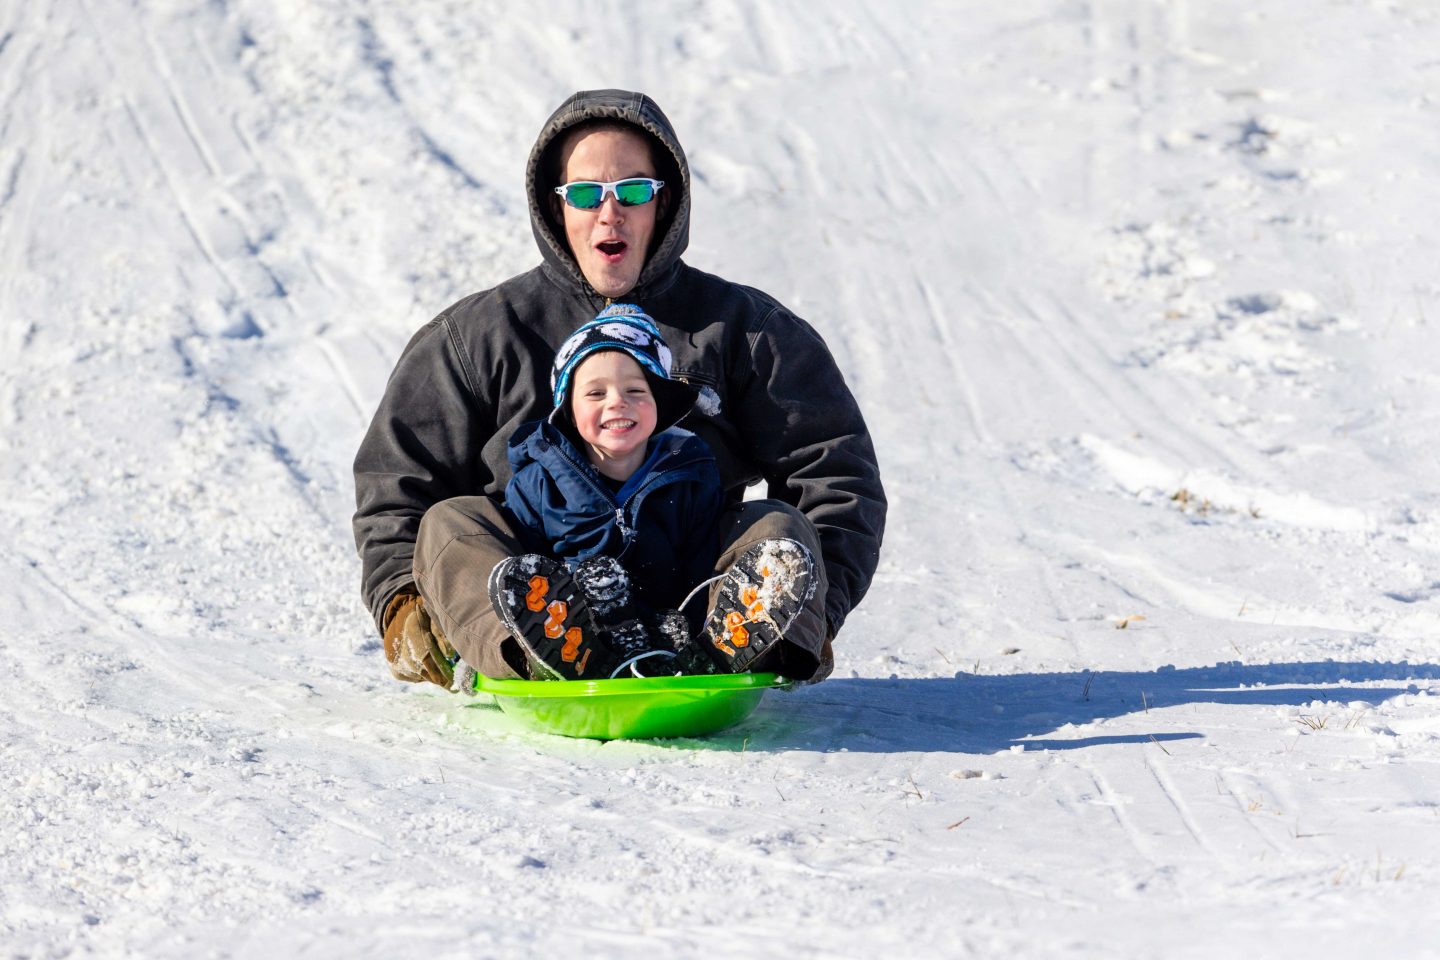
(584,474)
(627,533)
(659,480)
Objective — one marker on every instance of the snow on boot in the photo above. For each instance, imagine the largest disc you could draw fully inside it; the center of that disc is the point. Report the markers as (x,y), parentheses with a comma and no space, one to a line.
(693,657)
(759,598)
(665,632)
(606,586)
(550,618)
(670,629)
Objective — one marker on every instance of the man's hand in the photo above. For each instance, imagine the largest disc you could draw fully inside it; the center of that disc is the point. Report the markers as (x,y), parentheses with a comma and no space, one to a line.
(827,663)
(414,646)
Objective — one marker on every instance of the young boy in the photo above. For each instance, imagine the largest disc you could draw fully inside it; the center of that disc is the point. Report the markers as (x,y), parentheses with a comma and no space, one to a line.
(623,508)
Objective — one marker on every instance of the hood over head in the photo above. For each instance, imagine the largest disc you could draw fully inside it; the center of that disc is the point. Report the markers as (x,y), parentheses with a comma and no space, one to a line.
(672,233)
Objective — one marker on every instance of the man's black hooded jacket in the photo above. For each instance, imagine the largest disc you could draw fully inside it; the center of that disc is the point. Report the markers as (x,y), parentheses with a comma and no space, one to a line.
(773,407)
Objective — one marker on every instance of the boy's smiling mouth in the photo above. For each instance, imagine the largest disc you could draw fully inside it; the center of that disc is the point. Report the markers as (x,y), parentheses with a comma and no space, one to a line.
(617,425)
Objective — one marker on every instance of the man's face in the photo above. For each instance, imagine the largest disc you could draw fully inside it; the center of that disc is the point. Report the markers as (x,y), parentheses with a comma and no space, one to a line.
(609,243)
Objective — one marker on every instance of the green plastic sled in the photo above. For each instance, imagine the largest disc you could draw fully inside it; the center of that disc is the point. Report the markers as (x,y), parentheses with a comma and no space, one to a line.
(639,708)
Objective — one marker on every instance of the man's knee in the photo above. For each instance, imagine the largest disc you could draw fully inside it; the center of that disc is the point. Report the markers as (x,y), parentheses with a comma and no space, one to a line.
(747,523)
(479,522)
(460,542)
(804,652)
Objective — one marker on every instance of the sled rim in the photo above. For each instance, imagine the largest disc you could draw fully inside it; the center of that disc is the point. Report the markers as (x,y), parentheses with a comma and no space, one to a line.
(627,686)
(635,708)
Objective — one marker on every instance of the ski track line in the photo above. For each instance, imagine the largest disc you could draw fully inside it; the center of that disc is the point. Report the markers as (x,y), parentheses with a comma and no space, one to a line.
(1151,34)
(180,104)
(1037,892)
(91,616)
(255,236)
(1182,809)
(935,315)
(343,376)
(200,42)
(9,180)
(97,630)
(1157,36)
(1116,804)
(1041,565)
(1276,803)
(17,207)
(1001,481)
(731,849)
(160,658)
(160,66)
(260,430)
(384,66)
(1103,377)
(187,218)
(1243,807)
(1183,396)
(736,855)
(13,84)
(177,187)
(262,433)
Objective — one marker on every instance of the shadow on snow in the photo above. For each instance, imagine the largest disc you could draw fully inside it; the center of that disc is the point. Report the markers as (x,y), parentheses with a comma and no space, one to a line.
(970,713)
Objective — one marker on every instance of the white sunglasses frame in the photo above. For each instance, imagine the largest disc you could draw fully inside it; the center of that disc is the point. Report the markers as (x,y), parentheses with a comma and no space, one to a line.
(608,190)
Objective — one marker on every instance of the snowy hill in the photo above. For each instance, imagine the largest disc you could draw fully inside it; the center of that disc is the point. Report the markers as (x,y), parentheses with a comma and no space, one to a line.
(1140,301)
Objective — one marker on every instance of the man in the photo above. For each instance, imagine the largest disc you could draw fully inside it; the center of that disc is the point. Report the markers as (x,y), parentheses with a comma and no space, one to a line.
(431,472)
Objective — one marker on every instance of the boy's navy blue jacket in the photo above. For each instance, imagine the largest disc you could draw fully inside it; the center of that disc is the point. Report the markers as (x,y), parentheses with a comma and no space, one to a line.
(662,525)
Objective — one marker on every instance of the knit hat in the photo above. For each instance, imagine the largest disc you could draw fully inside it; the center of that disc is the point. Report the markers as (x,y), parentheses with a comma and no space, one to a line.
(625,327)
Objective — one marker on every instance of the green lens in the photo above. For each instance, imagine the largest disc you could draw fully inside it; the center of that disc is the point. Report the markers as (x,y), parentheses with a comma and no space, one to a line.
(586,196)
(632,193)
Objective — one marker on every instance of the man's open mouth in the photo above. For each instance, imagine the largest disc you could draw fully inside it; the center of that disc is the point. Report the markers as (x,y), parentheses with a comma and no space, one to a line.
(611,248)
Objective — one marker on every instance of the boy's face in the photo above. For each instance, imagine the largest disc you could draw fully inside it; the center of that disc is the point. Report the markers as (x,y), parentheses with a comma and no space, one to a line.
(614,411)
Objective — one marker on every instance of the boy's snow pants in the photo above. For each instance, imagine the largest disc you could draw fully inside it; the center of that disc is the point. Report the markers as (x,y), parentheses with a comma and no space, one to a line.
(462,539)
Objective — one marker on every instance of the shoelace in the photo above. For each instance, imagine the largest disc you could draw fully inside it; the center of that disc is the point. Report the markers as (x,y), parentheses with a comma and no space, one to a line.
(698,587)
(633,662)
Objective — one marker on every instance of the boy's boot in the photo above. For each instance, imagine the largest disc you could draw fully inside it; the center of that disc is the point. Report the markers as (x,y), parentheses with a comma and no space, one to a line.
(550,618)
(670,629)
(755,604)
(629,632)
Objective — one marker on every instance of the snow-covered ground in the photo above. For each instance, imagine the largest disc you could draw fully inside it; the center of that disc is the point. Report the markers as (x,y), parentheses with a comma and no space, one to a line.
(1140,299)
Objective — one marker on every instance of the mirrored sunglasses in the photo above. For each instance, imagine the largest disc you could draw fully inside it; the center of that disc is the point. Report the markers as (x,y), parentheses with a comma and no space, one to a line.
(589,194)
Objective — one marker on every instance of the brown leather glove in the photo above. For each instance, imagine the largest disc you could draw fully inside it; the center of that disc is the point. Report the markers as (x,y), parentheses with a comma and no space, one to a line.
(827,662)
(415,648)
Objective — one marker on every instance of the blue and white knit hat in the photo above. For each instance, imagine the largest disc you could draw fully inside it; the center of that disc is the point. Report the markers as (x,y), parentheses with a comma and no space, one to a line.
(625,327)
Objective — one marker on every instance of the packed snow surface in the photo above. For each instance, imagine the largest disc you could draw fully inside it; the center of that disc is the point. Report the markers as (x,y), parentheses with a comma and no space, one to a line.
(1140,299)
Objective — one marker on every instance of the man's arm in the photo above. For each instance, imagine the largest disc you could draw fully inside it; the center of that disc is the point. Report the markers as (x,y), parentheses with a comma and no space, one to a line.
(423,446)
(811,442)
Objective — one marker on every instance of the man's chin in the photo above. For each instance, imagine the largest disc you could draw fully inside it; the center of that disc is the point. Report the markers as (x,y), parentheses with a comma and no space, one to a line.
(611,284)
